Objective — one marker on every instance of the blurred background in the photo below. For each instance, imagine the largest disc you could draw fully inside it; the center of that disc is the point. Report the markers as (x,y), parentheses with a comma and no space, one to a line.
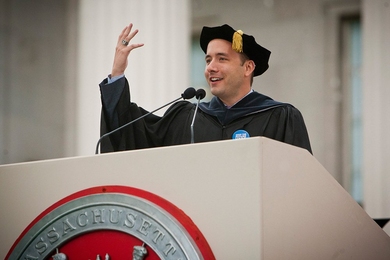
(330,59)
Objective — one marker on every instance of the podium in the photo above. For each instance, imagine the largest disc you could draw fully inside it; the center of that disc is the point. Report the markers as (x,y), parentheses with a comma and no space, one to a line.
(251,198)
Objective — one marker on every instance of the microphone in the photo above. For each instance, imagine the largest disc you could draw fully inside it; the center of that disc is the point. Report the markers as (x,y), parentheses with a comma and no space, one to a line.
(200,94)
(187,94)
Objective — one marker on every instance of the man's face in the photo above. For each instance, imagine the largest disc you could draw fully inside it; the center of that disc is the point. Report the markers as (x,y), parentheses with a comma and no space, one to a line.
(224,71)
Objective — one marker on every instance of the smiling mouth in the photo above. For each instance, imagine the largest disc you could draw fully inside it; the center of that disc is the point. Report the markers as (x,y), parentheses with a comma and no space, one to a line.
(214,79)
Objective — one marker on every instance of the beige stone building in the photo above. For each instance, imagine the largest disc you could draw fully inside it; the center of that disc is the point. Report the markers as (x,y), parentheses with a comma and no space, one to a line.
(330,58)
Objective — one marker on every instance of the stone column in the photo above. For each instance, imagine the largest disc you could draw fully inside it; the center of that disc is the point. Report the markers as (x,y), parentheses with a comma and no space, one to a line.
(157,72)
(376,107)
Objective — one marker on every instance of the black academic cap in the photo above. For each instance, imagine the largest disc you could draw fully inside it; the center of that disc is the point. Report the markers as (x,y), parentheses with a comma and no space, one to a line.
(240,42)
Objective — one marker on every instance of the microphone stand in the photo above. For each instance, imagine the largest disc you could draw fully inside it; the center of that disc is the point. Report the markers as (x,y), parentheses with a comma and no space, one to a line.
(200,94)
(193,121)
(131,122)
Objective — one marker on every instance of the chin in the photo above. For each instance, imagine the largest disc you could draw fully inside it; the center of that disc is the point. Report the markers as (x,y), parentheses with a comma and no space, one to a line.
(215,90)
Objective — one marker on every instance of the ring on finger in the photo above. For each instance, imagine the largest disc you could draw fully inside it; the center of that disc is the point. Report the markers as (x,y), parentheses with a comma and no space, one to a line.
(124,42)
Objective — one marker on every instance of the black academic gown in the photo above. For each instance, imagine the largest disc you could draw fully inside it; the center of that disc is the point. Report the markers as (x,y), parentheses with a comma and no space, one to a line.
(257,114)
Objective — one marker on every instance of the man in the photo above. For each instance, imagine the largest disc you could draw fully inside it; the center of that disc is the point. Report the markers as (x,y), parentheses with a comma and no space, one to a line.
(236,111)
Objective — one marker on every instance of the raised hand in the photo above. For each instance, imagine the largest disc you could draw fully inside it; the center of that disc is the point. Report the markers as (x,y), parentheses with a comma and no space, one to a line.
(123,49)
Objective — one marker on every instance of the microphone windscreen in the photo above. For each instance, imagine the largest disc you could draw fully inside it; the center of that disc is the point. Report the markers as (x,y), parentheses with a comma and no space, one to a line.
(200,93)
(188,93)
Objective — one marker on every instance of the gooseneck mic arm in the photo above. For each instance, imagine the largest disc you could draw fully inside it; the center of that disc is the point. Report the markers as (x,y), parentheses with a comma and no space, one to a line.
(200,94)
(187,94)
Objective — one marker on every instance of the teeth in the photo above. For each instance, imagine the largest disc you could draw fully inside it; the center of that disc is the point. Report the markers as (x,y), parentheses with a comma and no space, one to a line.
(215,79)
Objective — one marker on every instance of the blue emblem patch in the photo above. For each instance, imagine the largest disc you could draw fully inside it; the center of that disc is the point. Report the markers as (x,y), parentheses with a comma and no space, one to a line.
(240,134)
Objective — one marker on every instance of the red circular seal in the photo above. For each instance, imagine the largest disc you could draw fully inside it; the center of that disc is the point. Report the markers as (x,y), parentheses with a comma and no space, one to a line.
(111,222)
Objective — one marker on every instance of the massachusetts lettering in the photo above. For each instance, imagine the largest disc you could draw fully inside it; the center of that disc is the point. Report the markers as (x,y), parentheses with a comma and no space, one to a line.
(98,217)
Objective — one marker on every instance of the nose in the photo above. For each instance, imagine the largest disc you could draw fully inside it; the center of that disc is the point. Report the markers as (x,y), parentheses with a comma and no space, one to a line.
(211,66)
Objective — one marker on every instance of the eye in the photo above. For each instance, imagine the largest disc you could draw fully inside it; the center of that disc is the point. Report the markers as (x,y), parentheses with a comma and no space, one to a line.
(222,59)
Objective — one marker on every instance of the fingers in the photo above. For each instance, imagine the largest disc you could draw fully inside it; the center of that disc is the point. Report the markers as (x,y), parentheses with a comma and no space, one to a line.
(131,34)
(123,34)
(125,37)
(127,34)
(123,49)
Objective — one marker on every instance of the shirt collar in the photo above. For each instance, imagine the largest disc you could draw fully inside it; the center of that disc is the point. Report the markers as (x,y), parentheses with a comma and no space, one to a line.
(228,107)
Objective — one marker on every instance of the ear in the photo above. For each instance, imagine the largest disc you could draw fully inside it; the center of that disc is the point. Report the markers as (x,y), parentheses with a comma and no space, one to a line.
(249,67)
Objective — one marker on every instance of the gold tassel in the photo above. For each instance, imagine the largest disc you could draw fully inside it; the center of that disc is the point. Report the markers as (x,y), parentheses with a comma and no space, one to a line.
(237,44)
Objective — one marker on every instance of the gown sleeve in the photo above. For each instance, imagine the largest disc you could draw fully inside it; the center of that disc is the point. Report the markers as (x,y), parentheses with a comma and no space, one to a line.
(117,110)
(150,131)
